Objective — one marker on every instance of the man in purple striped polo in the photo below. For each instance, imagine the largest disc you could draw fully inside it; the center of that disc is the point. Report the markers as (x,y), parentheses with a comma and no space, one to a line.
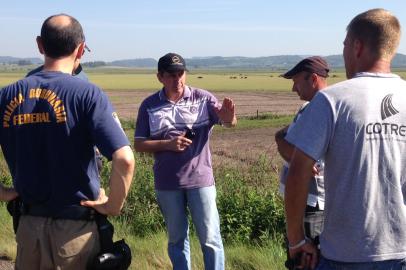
(175,124)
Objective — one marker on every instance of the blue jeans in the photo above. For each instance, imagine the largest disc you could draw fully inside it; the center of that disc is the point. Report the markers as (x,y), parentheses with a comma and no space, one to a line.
(326,264)
(202,206)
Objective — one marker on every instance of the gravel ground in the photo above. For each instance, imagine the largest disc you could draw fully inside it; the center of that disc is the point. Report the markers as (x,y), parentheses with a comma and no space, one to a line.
(6,265)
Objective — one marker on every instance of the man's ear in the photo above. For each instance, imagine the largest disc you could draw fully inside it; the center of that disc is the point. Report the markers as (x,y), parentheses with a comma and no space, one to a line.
(40,45)
(314,79)
(358,48)
(159,76)
(80,50)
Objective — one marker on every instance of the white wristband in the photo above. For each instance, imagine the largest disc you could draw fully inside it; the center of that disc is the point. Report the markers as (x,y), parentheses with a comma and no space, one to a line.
(298,245)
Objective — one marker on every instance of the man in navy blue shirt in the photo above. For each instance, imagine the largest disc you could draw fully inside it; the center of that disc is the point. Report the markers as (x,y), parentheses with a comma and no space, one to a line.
(50,122)
(77,72)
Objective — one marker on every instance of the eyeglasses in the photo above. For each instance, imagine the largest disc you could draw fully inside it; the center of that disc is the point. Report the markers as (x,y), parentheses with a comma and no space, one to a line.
(87,48)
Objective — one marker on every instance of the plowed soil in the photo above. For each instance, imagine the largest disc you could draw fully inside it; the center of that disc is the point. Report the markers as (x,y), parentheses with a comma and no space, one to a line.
(247,103)
(240,147)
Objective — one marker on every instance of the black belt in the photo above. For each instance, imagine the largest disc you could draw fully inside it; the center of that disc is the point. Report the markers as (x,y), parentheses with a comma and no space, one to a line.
(312,208)
(70,212)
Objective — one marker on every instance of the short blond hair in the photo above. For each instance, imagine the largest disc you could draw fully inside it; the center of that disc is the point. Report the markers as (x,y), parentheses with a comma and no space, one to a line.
(379,30)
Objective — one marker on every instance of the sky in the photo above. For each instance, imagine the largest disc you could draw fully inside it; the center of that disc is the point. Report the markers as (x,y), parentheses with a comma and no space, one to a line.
(129,29)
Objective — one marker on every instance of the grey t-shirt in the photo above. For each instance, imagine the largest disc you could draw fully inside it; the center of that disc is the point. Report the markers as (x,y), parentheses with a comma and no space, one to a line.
(316,186)
(359,127)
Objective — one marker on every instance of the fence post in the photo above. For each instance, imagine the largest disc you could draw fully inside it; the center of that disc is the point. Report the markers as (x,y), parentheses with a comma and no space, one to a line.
(257,115)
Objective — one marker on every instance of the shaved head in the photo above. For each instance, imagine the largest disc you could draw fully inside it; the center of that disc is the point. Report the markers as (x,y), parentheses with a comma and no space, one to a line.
(379,30)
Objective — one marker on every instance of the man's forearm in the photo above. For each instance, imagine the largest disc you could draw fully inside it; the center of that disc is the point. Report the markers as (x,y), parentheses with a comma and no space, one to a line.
(120,179)
(297,187)
(285,149)
(7,194)
(150,146)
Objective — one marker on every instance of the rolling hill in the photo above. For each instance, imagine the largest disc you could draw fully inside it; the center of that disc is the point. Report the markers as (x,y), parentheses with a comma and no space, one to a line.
(277,62)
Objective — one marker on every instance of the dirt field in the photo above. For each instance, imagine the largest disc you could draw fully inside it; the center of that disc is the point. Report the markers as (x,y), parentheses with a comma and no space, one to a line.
(239,147)
(247,103)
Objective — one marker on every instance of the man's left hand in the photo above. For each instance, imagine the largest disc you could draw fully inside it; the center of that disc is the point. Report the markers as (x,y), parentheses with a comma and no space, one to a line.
(308,256)
(227,113)
(100,205)
(7,194)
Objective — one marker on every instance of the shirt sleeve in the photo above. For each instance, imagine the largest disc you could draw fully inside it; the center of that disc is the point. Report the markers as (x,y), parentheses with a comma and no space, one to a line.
(142,129)
(213,103)
(105,130)
(313,130)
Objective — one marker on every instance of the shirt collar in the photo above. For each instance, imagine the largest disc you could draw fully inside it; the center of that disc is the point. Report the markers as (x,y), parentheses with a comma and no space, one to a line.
(376,74)
(186,93)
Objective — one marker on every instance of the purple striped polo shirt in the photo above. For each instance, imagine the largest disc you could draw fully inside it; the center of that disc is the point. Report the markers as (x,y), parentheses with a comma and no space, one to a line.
(158,118)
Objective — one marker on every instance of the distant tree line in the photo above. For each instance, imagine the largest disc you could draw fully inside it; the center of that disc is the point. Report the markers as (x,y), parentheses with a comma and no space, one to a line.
(24,62)
(94,64)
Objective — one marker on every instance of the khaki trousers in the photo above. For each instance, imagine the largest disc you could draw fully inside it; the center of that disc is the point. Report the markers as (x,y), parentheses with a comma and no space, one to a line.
(45,244)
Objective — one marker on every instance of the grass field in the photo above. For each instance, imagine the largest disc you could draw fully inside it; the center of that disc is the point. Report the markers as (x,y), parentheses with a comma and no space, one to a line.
(214,80)
(149,250)
(245,161)
(218,80)
(135,79)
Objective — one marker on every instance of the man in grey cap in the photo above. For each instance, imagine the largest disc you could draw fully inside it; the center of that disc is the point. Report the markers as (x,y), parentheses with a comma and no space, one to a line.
(175,124)
(309,77)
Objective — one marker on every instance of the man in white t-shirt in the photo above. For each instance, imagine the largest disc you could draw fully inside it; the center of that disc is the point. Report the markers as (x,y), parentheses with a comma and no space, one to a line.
(309,76)
(359,127)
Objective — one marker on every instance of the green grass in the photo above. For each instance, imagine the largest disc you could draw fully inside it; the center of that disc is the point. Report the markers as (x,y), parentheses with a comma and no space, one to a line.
(145,80)
(250,210)
(7,237)
(264,120)
(149,252)
(213,80)
(10,77)
(125,81)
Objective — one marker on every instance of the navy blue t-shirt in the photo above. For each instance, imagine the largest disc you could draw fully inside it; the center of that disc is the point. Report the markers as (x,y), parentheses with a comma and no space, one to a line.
(78,73)
(50,122)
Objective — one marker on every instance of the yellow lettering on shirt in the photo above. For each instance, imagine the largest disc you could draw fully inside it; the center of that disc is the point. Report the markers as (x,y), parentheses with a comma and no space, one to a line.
(61,117)
(33,118)
(30,118)
(54,101)
(14,103)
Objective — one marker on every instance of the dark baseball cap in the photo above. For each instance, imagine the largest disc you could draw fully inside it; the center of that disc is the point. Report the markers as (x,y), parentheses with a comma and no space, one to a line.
(171,62)
(314,64)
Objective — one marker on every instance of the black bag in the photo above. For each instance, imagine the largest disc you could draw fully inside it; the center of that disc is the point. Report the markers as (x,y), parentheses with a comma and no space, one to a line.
(115,255)
(14,208)
(118,258)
